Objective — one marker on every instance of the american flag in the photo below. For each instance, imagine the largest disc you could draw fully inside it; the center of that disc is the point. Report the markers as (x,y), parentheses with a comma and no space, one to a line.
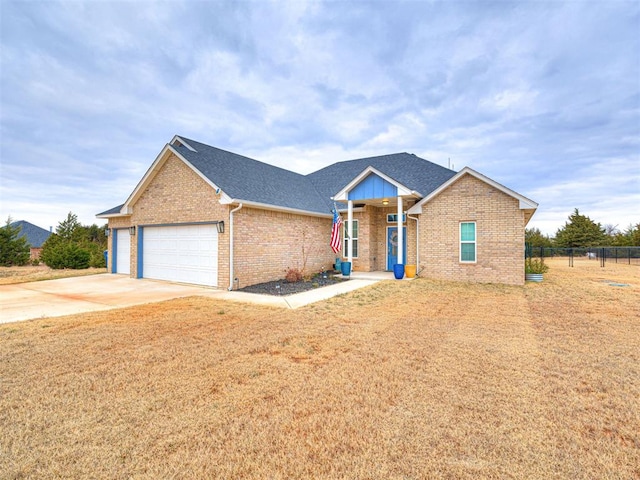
(336,238)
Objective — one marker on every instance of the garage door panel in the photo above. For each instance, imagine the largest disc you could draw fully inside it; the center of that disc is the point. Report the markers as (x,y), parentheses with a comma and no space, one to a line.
(123,251)
(185,253)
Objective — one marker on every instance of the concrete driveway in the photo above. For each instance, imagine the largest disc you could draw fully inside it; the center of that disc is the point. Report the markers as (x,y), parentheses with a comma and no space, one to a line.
(66,296)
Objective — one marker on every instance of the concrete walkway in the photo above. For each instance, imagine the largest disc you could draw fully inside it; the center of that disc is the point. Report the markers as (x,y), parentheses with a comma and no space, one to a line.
(67,296)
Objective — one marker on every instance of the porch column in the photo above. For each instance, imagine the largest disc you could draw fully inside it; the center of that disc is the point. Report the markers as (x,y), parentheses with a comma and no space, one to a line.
(349,232)
(400,232)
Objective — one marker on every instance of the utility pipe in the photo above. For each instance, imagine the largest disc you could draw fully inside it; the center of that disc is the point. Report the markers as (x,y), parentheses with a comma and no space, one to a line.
(417,241)
(350,232)
(231,245)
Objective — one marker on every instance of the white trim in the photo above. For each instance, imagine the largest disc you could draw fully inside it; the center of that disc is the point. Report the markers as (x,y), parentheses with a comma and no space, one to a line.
(525,203)
(345,242)
(114,215)
(275,208)
(341,196)
(417,242)
(183,142)
(231,269)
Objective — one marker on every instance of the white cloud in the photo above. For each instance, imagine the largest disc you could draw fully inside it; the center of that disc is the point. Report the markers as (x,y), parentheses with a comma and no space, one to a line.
(542,97)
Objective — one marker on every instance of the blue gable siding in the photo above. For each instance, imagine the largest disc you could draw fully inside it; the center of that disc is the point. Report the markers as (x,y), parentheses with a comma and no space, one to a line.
(373,187)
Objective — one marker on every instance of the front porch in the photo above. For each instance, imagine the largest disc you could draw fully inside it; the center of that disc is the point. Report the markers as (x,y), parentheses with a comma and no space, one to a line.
(377,275)
(377,232)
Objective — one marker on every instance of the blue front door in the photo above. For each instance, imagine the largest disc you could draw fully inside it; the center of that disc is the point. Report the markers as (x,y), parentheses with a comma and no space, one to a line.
(392,246)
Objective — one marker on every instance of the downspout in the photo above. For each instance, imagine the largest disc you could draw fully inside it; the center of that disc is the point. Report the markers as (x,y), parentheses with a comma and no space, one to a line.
(417,241)
(231,245)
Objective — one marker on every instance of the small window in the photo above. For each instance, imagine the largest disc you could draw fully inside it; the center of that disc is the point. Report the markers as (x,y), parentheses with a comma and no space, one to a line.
(468,242)
(393,218)
(345,246)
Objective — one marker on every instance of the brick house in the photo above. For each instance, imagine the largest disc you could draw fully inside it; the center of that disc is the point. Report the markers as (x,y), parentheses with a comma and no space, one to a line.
(207,216)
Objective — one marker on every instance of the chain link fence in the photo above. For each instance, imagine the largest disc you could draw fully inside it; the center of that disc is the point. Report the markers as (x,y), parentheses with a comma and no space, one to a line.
(623,255)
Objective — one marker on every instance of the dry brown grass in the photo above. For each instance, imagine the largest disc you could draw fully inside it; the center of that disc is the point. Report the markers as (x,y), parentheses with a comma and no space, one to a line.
(417,379)
(11,275)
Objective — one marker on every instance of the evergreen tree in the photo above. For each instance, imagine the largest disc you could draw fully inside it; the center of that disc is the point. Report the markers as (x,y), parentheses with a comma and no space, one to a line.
(14,250)
(580,231)
(70,228)
(75,246)
(633,234)
(535,238)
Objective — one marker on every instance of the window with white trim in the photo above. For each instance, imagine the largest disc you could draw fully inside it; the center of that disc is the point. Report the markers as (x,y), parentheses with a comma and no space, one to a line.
(393,218)
(468,242)
(345,246)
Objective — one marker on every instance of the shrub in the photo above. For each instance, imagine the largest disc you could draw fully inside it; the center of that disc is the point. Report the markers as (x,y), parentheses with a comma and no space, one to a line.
(293,275)
(66,255)
(14,250)
(535,265)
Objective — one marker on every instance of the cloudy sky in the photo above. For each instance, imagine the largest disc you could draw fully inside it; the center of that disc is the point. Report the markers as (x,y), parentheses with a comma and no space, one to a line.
(541,96)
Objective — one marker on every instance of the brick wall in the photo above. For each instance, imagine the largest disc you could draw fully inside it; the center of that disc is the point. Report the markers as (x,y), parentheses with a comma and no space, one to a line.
(267,243)
(500,229)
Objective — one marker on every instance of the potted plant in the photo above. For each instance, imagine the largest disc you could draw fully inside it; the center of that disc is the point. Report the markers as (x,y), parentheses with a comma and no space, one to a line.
(398,270)
(534,268)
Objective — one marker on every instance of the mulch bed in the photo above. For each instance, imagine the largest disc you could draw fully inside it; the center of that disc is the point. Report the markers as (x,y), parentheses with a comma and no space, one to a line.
(282,287)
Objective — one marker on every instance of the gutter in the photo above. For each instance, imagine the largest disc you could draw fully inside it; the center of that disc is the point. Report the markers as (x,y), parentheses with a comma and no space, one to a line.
(231,245)
(417,241)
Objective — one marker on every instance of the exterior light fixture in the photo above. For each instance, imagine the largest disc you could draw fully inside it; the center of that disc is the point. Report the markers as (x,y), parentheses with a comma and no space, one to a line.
(385,201)
(220,226)
(132,231)
(106,232)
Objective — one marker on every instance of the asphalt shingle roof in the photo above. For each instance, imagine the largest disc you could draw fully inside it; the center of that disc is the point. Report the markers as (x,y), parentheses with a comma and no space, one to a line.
(35,235)
(250,180)
(411,171)
(112,210)
(243,178)
(247,179)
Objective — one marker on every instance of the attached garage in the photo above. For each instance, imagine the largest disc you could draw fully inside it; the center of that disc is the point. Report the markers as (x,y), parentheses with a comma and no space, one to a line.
(123,251)
(181,253)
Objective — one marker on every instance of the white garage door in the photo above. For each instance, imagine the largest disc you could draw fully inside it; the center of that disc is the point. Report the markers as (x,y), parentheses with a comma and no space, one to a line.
(123,251)
(185,253)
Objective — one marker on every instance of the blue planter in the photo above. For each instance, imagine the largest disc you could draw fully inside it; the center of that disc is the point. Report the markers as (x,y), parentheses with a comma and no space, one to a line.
(346,268)
(398,271)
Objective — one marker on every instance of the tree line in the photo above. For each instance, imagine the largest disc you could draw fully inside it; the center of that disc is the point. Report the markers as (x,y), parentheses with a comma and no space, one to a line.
(579,231)
(72,246)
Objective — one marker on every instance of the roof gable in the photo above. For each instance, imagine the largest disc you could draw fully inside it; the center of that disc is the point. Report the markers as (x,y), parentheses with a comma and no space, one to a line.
(524,202)
(406,169)
(373,186)
(369,184)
